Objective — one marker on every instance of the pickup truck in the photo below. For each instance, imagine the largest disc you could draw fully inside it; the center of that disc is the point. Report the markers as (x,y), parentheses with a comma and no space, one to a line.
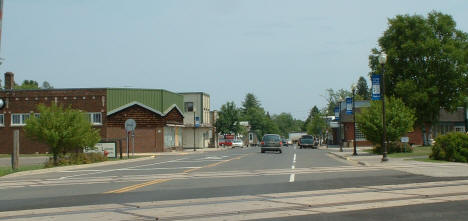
(307,141)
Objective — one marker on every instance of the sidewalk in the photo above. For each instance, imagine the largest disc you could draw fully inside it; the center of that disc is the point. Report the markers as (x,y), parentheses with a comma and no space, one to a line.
(434,169)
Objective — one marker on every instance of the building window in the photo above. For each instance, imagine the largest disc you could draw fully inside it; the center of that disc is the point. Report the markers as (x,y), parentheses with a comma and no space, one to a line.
(188,106)
(37,115)
(2,120)
(19,119)
(460,129)
(359,135)
(95,118)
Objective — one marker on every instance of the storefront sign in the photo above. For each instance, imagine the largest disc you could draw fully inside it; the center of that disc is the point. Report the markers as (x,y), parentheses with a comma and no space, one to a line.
(375,78)
(109,148)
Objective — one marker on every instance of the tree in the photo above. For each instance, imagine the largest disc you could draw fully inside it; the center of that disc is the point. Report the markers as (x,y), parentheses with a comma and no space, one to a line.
(317,125)
(252,112)
(362,90)
(333,98)
(399,120)
(229,117)
(286,124)
(63,129)
(426,65)
(46,85)
(28,84)
(314,111)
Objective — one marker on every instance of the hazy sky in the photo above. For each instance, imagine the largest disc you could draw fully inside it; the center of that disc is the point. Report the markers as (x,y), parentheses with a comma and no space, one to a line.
(285,52)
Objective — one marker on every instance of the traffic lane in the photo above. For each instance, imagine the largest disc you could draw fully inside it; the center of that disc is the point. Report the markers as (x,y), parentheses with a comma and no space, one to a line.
(311,158)
(455,210)
(191,190)
(255,160)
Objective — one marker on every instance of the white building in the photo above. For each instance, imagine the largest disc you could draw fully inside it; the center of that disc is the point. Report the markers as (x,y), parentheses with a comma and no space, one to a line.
(198,125)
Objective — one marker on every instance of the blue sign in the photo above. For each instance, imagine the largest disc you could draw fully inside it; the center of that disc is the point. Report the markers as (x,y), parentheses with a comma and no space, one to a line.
(197,121)
(376,78)
(337,113)
(349,105)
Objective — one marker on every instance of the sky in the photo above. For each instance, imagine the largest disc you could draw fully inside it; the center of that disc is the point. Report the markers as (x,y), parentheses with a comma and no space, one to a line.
(286,52)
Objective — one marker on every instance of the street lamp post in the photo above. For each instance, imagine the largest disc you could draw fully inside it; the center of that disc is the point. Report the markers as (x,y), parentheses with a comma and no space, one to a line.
(339,130)
(194,127)
(354,120)
(382,61)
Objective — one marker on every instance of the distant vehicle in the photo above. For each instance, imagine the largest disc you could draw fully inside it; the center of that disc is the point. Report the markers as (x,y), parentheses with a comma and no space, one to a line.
(285,142)
(237,143)
(271,142)
(307,141)
(225,142)
(294,137)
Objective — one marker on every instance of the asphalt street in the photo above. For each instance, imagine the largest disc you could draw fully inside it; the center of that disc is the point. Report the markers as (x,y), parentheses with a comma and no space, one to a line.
(242,173)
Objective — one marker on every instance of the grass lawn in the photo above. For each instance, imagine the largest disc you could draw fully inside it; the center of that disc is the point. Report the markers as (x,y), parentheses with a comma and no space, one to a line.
(7,170)
(417,152)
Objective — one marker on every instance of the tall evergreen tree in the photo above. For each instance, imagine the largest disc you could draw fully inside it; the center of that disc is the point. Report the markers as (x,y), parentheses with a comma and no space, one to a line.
(362,90)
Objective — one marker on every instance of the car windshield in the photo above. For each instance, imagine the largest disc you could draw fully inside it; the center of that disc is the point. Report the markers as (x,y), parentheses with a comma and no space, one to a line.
(271,138)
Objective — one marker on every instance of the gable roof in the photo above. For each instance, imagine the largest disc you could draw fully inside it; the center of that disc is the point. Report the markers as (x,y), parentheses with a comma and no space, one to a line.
(123,107)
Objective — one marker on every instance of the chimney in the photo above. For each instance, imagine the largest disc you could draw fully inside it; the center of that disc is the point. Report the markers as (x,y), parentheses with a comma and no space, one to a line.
(9,81)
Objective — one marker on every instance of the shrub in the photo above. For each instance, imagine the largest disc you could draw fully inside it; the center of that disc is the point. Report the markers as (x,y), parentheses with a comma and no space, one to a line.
(452,147)
(76,158)
(394,147)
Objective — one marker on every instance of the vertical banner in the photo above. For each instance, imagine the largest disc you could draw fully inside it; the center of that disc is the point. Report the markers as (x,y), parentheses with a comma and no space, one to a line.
(376,78)
(349,105)
(337,113)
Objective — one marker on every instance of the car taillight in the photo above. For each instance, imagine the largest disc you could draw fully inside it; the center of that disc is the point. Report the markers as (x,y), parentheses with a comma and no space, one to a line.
(262,143)
(281,143)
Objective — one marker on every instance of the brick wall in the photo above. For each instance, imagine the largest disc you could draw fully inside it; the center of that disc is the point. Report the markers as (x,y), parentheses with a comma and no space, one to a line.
(26,101)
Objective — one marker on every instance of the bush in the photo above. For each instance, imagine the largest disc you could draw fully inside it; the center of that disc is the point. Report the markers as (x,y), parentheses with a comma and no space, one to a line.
(394,147)
(76,159)
(452,147)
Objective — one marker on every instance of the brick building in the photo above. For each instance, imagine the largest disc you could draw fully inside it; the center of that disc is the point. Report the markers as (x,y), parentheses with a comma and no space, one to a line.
(157,113)
(447,122)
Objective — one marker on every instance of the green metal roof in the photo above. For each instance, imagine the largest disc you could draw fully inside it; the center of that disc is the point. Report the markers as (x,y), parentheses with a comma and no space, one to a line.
(159,101)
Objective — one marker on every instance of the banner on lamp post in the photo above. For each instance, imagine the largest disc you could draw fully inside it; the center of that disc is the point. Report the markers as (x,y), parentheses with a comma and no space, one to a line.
(376,95)
(349,105)
(337,113)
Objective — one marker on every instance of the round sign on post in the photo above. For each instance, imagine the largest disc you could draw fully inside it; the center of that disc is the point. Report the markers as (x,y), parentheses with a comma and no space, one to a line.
(130,125)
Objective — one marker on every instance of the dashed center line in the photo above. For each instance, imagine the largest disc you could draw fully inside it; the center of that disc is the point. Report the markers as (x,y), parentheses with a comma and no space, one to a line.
(293,175)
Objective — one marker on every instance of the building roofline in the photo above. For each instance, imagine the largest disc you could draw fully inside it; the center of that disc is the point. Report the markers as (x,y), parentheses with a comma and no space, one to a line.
(202,93)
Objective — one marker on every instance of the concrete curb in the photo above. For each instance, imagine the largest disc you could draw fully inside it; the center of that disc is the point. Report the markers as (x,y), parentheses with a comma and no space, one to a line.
(349,159)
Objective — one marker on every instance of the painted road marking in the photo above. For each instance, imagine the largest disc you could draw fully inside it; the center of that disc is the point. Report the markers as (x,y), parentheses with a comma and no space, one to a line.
(293,175)
(137,186)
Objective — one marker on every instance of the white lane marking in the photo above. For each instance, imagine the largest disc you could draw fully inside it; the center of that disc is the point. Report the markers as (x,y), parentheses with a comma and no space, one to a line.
(162,168)
(104,171)
(293,175)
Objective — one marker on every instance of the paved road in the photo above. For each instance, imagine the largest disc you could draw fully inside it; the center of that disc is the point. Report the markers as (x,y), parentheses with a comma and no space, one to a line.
(233,184)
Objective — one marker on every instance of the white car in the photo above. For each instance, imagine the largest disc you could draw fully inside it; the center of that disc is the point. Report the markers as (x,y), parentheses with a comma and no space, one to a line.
(237,143)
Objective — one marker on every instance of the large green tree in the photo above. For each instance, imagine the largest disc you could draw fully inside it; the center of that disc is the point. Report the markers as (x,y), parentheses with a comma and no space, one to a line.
(362,89)
(28,84)
(399,120)
(314,111)
(286,124)
(427,63)
(62,129)
(228,119)
(252,112)
(317,125)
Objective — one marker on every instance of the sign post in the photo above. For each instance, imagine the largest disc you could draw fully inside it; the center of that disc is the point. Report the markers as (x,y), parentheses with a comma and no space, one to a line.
(130,126)
(404,140)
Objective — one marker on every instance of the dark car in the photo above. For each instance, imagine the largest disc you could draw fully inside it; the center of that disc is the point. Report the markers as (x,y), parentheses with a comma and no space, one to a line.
(285,142)
(307,141)
(271,142)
